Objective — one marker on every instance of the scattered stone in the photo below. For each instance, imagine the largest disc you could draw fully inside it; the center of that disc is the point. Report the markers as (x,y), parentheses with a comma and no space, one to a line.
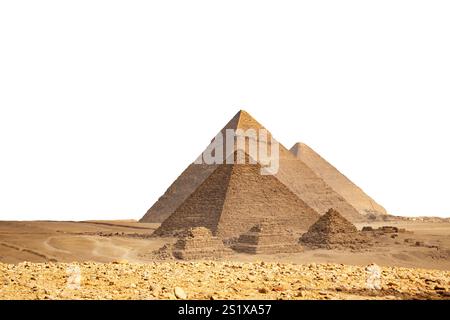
(278,288)
(179,293)
(120,261)
(155,289)
(164,253)
(373,280)
(422,244)
(289,281)
(389,229)
(263,290)
(385,230)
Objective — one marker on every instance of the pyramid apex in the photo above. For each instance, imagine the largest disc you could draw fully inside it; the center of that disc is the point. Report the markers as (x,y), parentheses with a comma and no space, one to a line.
(333,212)
(299,145)
(243,120)
(243,114)
(297,148)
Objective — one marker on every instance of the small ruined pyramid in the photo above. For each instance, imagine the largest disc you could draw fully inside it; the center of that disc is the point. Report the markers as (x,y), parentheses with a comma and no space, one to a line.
(199,243)
(293,174)
(235,197)
(332,231)
(267,237)
(337,181)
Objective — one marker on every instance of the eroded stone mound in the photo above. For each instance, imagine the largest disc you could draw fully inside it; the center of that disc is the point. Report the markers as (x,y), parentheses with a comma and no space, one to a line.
(267,237)
(199,243)
(164,253)
(333,231)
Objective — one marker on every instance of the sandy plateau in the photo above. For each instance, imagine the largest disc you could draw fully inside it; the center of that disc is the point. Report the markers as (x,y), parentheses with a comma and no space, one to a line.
(116,260)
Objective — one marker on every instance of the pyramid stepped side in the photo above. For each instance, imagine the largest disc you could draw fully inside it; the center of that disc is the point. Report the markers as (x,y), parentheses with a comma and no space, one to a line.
(252,197)
(236,197)
(181,188)
(337,181)
(199,243)
(267,238)
(202,208)
(332,230)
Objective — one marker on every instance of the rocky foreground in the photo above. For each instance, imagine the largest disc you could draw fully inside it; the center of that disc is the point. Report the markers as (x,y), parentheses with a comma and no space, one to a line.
(218,280)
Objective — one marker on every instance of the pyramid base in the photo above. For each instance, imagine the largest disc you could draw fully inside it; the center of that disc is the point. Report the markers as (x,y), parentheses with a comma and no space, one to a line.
(200,254)
(354,241)
(267,249)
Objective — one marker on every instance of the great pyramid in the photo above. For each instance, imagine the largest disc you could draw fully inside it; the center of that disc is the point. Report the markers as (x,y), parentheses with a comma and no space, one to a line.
(293,173)
(235,197)
(267,237)
(333,231)
(337,181)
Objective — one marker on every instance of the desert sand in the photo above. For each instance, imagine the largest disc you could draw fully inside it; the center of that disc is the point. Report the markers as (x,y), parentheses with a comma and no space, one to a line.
(107,241)
(117,261)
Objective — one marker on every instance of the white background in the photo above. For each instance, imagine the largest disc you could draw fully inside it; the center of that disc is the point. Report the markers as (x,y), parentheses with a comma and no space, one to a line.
(104,103)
